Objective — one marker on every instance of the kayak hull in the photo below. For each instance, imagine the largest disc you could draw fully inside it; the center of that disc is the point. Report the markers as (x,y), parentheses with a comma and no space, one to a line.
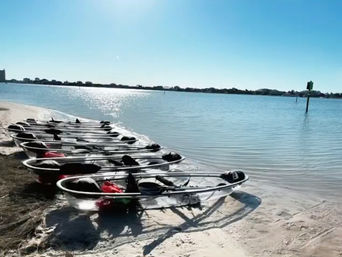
(145,161)
(191,195)
(72,150)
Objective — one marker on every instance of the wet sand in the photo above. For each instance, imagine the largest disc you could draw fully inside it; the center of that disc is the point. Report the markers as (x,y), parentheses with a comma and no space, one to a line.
(259,220)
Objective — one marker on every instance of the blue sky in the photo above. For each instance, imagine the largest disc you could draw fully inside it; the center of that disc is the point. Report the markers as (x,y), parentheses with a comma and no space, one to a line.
(249,44)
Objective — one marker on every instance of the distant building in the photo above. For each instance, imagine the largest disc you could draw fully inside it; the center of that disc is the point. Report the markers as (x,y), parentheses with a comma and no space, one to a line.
(2,76)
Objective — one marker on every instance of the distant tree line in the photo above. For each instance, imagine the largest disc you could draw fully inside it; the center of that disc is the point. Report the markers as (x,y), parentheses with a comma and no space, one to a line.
(264,91)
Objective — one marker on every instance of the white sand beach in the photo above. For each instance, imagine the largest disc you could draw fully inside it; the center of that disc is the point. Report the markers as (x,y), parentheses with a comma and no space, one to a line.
(258,220)
(11,113)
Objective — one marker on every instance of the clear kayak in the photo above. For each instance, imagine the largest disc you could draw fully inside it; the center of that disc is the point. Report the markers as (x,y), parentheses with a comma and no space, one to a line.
(50,170)
(40,149)
(64,123)
(16,128)
(150,190)
(72,138)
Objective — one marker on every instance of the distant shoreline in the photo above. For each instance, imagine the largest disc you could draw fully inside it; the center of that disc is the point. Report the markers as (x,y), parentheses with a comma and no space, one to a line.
(210,90)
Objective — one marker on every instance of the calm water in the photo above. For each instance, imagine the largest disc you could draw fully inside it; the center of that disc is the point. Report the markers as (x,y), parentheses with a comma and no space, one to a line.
(270,137)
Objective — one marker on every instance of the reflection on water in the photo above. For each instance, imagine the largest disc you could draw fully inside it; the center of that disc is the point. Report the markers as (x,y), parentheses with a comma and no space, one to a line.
(270,137)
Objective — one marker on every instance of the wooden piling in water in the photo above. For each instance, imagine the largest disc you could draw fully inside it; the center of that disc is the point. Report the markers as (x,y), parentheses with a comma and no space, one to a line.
(309,87)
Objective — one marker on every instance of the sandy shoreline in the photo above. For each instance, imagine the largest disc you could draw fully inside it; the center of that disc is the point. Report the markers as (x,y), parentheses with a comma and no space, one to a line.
(259,220)
(11,113)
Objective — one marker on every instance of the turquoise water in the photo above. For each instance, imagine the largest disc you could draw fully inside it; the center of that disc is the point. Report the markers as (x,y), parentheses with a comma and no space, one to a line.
(270,137)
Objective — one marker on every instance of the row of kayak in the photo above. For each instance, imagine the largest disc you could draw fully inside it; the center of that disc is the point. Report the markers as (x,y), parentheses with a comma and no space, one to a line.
(99,168)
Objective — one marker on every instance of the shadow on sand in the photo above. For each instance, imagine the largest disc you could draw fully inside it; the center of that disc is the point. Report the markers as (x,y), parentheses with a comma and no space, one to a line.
(199,223)
(75,230)
(7,143)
